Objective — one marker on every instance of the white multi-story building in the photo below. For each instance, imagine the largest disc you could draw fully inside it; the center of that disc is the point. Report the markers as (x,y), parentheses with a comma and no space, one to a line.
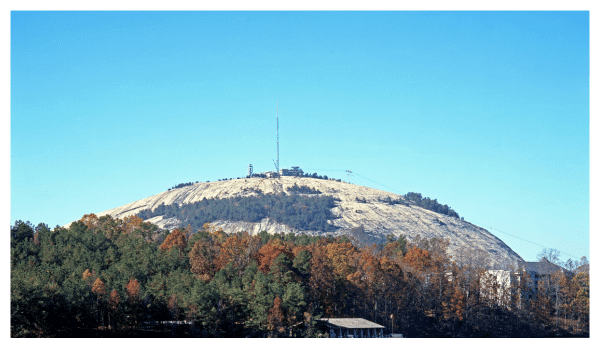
(506,286)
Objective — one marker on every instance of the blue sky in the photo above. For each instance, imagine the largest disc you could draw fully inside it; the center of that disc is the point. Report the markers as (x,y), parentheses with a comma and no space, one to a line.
(486,111)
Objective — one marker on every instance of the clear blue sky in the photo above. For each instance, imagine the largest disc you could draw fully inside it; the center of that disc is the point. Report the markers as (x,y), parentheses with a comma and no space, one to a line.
(486,111)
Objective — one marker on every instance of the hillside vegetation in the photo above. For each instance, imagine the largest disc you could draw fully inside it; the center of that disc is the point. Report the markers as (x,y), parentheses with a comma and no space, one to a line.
(122,275)
(313,206)
(430,204)
(300,208)
(303,213)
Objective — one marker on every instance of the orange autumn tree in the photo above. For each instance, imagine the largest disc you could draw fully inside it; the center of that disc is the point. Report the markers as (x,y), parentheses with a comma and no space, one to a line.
(202,257)
(297,248)
(99,290)
(340,257)
(88,276)
(276,317)
(238,249)
(91,221)
(114,313)
(390,266)
(321,280)
(174,239)
(113,299)
(455,307)
(419,259)
(132,289)
(369,266)
(365,281)
(131,223)
(269,252)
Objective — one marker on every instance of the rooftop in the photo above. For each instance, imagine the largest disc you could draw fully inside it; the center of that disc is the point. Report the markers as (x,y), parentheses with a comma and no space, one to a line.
(352,323)
(543,267)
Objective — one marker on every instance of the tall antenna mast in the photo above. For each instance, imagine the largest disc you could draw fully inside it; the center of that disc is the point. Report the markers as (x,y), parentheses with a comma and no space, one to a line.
(277,164)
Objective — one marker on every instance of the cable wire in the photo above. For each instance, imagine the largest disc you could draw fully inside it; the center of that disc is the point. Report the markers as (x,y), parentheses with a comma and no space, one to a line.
(325,169)
(525,240)
(479,224)
(376,182)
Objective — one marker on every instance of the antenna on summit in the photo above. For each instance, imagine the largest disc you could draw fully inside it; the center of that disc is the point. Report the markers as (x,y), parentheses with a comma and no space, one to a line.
(277,163)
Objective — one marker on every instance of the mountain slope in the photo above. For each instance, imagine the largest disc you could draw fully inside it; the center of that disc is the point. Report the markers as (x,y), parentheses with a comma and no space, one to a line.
(376,217)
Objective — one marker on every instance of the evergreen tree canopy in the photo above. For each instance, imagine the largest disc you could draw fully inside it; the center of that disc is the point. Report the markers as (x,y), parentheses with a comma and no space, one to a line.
(309,211)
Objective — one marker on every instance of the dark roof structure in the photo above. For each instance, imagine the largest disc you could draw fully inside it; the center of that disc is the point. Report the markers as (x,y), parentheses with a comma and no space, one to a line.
(351,323)
(543,267)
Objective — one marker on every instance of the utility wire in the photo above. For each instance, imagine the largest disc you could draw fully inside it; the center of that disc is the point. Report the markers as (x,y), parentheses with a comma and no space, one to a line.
(525,240)
(326,169)
(377,183)
(479,224)
(360,176)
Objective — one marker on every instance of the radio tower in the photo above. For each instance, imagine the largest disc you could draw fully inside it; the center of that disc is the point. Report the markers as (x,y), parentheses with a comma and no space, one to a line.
(277,163)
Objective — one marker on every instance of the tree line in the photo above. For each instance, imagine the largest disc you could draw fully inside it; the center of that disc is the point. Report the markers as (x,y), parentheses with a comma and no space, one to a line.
(181,185)
(121,274)
(308,212)
(411,197)
(429,204)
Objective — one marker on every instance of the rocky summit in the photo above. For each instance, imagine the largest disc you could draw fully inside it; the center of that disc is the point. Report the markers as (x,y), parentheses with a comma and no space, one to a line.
(355,207)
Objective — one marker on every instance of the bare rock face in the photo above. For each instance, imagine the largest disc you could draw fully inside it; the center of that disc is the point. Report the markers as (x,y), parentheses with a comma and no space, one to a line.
(376,217)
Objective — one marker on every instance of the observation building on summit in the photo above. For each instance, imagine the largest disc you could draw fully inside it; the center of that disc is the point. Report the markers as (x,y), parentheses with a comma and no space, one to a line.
(295,171)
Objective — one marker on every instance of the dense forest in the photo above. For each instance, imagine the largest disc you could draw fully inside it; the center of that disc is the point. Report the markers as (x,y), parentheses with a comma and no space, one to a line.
(123,276)
(302,209)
